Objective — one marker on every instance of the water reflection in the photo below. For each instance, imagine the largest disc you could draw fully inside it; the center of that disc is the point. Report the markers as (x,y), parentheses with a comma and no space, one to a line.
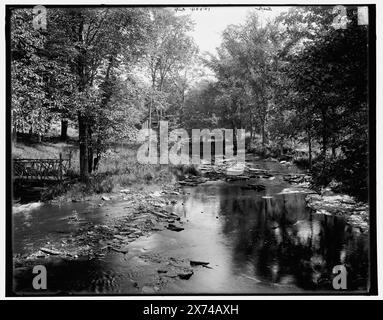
(256,242)
(278,240)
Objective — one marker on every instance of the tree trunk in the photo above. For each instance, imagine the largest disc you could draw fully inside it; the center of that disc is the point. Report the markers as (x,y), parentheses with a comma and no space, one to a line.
(64,130)
(83,140)
(98,155)
(90,159)
(310,150)
(31,131)
(263,133)
(90,150)
(281,148)
(251,137)
(82,119)
(324,134)
(14,134)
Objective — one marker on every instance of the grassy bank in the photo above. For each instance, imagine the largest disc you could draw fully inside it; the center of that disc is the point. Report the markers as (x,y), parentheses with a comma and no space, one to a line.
(118,168)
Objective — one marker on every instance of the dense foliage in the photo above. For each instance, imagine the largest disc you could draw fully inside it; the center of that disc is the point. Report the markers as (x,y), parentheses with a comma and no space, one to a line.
(90,66)
(295,80)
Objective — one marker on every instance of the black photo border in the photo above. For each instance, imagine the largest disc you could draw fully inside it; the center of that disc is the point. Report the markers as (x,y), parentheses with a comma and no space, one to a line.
(373,276)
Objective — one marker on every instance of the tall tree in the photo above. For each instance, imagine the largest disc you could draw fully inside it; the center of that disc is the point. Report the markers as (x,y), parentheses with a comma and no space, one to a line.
(169,50)
(92,39)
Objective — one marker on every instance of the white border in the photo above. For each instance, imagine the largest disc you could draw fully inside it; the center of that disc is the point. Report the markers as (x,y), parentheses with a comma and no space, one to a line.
(379,133)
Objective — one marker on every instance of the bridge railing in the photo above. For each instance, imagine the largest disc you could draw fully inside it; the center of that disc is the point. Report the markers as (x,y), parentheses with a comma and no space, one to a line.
(41,169)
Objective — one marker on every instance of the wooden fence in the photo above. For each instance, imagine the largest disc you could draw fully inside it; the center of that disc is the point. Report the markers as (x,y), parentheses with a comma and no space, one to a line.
(41,169)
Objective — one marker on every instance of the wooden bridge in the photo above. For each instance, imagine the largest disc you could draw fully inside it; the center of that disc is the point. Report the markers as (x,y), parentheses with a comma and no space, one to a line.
(41,169)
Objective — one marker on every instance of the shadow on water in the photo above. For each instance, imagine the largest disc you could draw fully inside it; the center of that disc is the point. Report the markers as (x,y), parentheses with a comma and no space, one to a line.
(262,243)
(284,243)
(255,242)
(79,276)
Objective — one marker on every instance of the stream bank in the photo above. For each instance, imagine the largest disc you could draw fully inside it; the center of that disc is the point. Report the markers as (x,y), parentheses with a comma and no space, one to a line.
(211,233)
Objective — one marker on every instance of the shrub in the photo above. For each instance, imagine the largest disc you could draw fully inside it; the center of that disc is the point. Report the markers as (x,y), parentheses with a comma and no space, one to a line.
(350,173)
(302,162)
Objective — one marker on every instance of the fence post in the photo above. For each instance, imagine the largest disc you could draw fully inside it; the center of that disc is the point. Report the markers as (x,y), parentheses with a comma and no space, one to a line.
(61,167)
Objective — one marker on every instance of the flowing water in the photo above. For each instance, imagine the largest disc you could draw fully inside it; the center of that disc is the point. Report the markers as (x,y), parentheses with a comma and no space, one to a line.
(261,242)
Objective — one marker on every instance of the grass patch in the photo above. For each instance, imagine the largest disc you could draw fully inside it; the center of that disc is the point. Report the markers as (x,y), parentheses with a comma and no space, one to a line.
(118,168)
(44,150)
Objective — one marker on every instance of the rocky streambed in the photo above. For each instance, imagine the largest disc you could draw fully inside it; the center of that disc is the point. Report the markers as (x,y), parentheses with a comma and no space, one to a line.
(206,233)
